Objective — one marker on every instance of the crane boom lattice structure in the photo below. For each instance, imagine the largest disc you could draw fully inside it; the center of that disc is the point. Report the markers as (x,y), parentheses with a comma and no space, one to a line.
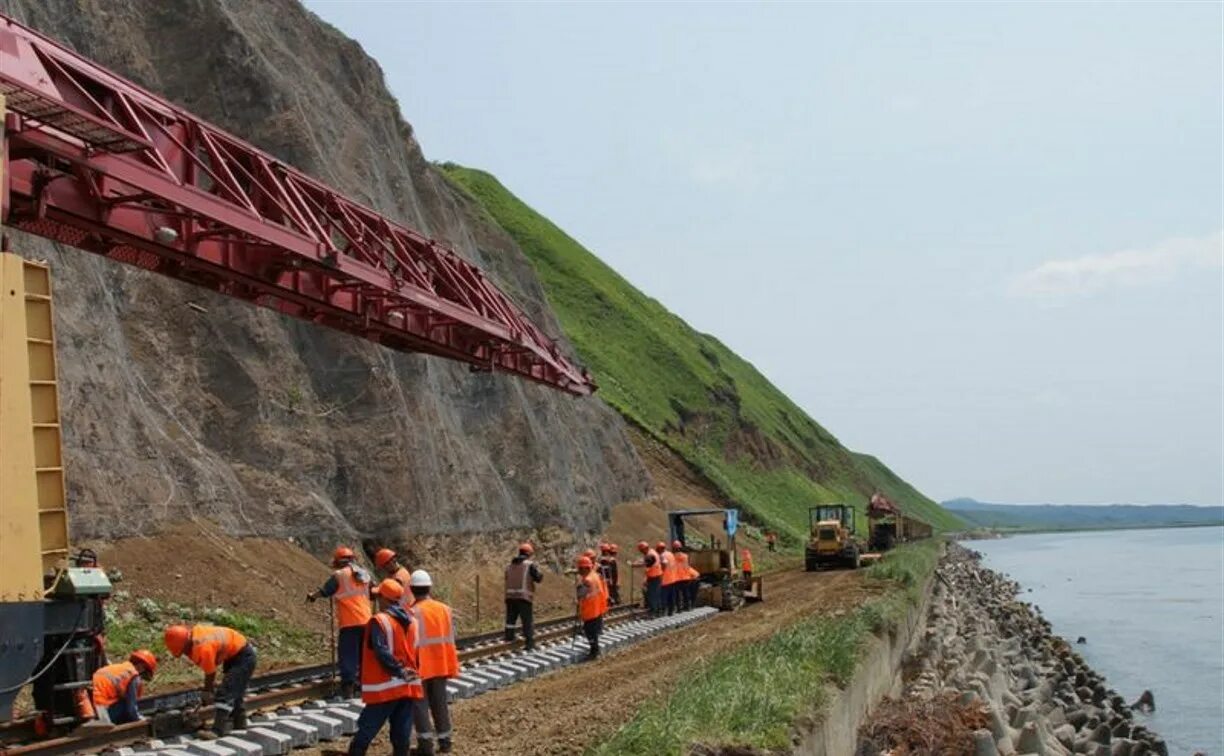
(96,162)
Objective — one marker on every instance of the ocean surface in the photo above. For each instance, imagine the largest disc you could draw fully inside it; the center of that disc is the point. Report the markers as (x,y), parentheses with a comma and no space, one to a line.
(1150,604)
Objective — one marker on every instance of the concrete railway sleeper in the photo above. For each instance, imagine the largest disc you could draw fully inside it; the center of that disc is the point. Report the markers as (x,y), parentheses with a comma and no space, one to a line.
(293,714)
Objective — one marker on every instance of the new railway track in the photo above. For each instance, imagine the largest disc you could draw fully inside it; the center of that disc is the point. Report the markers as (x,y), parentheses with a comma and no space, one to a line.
(179,712)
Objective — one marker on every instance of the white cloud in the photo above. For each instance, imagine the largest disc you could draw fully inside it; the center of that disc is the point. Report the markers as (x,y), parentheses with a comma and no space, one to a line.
(1080,276)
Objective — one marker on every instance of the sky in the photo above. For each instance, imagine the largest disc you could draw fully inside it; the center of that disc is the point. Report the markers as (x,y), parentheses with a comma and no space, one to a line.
(984,242)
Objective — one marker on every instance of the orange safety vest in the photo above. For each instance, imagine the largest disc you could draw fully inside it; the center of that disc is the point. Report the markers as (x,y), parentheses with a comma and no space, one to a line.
(655,570)
(682,566)
(669,567)
(595,603)
(352,598)
(377,684)
(746,561)
(110,683)
(403,576)
(435,639)
(693,574)
(212,646)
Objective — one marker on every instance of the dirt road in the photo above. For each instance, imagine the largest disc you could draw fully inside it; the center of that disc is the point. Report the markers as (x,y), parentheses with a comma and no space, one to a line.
(565,712)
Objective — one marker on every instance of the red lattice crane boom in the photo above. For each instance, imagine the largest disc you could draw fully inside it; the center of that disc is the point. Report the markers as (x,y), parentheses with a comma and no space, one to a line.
(96,162)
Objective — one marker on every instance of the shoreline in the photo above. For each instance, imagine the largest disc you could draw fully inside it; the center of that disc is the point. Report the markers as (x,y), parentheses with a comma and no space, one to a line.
(989,534)
(991,678)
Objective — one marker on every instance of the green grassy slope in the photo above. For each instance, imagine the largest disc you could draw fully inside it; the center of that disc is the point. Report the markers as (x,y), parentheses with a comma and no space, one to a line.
(687,389)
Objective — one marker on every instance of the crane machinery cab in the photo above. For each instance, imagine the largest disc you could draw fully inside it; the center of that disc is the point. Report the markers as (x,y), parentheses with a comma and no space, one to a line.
(714,557)
(51,601)
(831,542)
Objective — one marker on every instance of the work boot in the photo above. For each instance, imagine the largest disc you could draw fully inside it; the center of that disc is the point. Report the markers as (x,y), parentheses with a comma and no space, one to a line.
(240,719)
(444,745)
(348,690)
(222,724)
(424,748)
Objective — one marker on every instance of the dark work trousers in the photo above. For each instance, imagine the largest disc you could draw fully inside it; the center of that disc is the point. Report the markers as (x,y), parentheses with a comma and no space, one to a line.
(669,598)
(374,715)
(747,574)
(436,708)
(127,708)
(592,629)
(682,595)
(654,600)
(517,609)
(693,587)
(348,656)
(614,593)
(236,674)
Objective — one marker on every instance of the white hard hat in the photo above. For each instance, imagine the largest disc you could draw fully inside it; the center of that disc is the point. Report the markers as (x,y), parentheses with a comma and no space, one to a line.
(420,579)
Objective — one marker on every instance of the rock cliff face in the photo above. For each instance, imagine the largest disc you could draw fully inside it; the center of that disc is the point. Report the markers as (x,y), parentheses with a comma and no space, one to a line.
(179,403)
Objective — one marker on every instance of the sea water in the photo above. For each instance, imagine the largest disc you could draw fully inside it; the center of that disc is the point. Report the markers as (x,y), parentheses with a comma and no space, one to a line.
(1150,604)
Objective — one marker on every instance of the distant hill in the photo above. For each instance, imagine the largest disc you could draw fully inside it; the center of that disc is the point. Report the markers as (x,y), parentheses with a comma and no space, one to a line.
(1081,516)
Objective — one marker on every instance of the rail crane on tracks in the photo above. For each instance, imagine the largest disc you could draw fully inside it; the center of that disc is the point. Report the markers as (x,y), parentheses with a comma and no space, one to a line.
(95,162)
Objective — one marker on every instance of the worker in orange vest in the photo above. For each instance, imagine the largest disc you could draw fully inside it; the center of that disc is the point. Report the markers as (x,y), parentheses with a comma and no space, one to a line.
(668,560)
(694,585)
(746,564)
(117,687)
(613,574)
(522,575)
(437,661)
(390,686)
(387,562)
(592,604)
(682,576)
(209,647)
(349,589)
(654,578)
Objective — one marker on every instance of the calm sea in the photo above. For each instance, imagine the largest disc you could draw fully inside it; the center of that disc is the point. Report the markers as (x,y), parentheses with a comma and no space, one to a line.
(1151,605)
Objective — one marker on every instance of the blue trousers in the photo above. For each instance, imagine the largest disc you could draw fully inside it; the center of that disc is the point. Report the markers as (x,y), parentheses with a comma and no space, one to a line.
(374,716)
(654,601)
(348,654)
(669,598)
(125,709)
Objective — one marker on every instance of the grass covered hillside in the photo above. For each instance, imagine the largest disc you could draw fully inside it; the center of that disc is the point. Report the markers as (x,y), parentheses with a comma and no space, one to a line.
(687,389)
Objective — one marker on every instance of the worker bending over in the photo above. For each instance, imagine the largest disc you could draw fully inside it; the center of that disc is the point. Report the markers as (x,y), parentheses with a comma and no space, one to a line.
(390,687)
(592,604)
(654,578)
(209,647)
(349,589)
(437,661)
(746,564)
(668,581)
(387,562)
(522,574)
(117,687)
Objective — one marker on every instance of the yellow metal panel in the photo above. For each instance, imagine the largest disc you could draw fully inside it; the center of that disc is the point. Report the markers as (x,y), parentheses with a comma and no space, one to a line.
(20,537)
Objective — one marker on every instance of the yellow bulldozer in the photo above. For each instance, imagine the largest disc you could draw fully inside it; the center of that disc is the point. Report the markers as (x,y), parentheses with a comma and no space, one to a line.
(831,542)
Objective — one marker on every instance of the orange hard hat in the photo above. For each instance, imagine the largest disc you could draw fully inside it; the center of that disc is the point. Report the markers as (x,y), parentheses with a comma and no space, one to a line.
(342,552)
(145,657)
(382,558)
(176,638)
(676,545)
(643,546)
(584,562)
(526,548)
(605,548)
(660,546)
(613,548)
(391,589)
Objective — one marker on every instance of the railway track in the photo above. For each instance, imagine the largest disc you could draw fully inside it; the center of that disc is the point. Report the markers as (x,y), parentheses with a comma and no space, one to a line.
(487,660)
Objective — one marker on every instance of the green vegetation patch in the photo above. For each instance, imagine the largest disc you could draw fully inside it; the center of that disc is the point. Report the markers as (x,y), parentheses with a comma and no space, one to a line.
(687,389)
(753,696)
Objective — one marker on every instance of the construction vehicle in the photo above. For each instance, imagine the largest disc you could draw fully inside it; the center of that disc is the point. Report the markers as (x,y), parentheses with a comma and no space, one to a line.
(831,542)
(722,583)
(887,525)
(93,161)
